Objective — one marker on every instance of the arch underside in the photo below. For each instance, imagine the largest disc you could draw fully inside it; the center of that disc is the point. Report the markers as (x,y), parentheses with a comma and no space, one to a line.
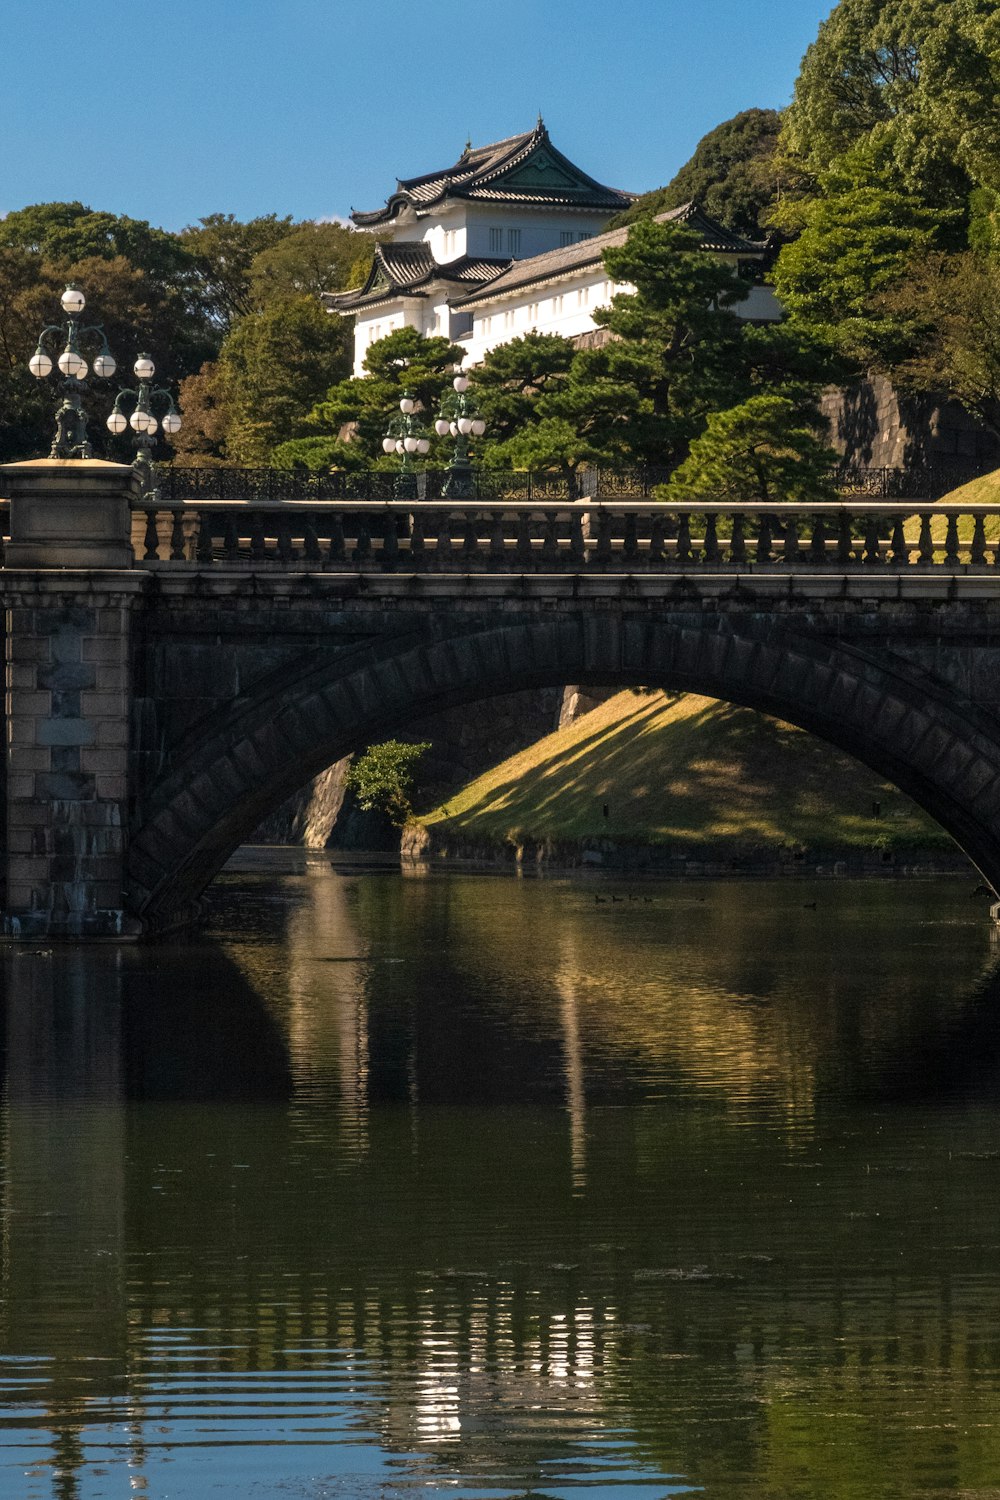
(934,746)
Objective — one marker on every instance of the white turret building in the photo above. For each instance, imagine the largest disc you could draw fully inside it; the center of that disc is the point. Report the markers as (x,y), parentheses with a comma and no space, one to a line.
(507,241)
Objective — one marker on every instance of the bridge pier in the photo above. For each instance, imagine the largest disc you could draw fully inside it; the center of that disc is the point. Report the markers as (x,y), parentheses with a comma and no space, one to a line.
(68,595)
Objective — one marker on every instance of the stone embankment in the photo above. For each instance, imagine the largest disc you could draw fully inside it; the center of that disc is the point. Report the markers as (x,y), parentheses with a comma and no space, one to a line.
(422,845)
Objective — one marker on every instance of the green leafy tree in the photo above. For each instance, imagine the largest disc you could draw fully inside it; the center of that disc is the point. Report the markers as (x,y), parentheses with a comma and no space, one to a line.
(950,306)
(272,366)
(759,451)
(862,80)
(857,240)
(309,259)
(675,350)
(382,778)
(733,173)
(224,250)
(514,376)
(361,406)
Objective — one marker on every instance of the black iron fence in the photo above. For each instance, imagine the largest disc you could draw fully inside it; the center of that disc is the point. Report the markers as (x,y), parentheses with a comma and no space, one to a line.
(270,486)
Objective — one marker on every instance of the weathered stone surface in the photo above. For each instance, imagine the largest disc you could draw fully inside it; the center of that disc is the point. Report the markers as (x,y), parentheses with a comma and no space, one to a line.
(154,718)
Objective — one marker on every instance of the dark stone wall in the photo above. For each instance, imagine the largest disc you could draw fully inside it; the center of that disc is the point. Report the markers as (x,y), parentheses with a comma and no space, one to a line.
(901,671)
(876,426)
(464,744)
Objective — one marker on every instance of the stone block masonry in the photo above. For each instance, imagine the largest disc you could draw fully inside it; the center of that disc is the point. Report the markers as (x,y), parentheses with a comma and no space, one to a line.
(68,703)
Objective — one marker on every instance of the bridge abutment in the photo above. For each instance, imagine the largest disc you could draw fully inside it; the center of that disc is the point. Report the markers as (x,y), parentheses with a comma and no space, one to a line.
(68,700)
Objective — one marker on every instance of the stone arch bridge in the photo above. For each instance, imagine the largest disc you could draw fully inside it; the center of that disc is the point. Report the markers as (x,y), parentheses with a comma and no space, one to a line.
(175,670)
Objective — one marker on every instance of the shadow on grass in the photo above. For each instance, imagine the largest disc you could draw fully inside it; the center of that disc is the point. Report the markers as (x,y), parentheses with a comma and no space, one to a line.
(692,770)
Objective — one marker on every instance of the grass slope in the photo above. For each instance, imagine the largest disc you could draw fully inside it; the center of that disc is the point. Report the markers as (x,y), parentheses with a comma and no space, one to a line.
(685,771)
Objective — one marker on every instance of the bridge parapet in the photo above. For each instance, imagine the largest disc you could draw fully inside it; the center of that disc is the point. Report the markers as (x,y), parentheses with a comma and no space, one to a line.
(517,537)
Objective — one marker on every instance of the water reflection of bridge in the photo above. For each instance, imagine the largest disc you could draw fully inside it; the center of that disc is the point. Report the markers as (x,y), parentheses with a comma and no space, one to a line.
(366,1249)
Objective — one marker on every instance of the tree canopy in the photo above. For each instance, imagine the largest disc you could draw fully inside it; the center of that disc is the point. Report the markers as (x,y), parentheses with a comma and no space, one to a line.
(733,173)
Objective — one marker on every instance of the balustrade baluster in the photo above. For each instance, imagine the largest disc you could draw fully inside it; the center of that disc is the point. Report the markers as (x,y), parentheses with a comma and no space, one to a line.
(817,544)
(231,539)
(522,550)
(310,541)
(790,550)
(151,540)
(470,537)
(845,539)
(336,551)
(657,537)
(737,542)
(362,541)
(899,552)
(442,547)
(684,553)
(926,554)
(286,551)
(177,536)
(418,537)
(390,542)
(602,551)
(711,553)
(764,539)
(577,546)
(498,549)
(872,555)
(951,556)
(258,539)
(203,549)
(977,552)
(550,540)
(630,543)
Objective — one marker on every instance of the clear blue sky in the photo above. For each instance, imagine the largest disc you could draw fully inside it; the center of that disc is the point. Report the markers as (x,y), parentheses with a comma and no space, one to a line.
(312,107)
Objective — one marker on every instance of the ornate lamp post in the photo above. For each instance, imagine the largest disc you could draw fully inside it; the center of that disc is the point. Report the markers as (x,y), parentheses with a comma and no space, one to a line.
(407,436)
(143,419)
(459,415)
(71,421)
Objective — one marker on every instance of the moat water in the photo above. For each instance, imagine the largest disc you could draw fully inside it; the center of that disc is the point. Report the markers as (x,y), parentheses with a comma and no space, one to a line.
(483,1187)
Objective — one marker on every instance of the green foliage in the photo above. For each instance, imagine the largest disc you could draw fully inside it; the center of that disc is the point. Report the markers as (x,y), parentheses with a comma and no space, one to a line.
(513,377)
(308,260)
(281,351)
(863,80)
(950,306)
(678,352)
(364,405)
(224,251)
(272,365)
(139,311)
(858,238)
(382,778)
(732,173)
(318,455)
(759,451)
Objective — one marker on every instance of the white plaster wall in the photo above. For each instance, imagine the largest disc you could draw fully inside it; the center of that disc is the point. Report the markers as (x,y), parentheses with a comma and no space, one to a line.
(374,325)
(446,234)
(538,230)
(566,307)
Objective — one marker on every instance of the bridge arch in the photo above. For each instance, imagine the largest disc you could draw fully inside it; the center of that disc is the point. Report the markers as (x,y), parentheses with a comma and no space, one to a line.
(887,713)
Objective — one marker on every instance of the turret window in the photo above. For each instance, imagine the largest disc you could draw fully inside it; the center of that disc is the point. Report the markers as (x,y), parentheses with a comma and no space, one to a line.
(496,241)
(513,242)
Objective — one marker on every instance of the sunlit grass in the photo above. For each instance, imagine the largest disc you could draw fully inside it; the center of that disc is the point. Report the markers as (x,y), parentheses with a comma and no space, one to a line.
(686,770)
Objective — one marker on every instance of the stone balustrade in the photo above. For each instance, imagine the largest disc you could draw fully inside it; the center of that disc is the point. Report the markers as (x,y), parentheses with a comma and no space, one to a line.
(576,537)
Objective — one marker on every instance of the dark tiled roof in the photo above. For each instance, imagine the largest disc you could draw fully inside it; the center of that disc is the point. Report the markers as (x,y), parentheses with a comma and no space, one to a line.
(479,174)
(407,267)
(556,263)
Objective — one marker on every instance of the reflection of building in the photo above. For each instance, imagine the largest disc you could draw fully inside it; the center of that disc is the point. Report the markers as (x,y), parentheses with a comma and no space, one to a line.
(507,241)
